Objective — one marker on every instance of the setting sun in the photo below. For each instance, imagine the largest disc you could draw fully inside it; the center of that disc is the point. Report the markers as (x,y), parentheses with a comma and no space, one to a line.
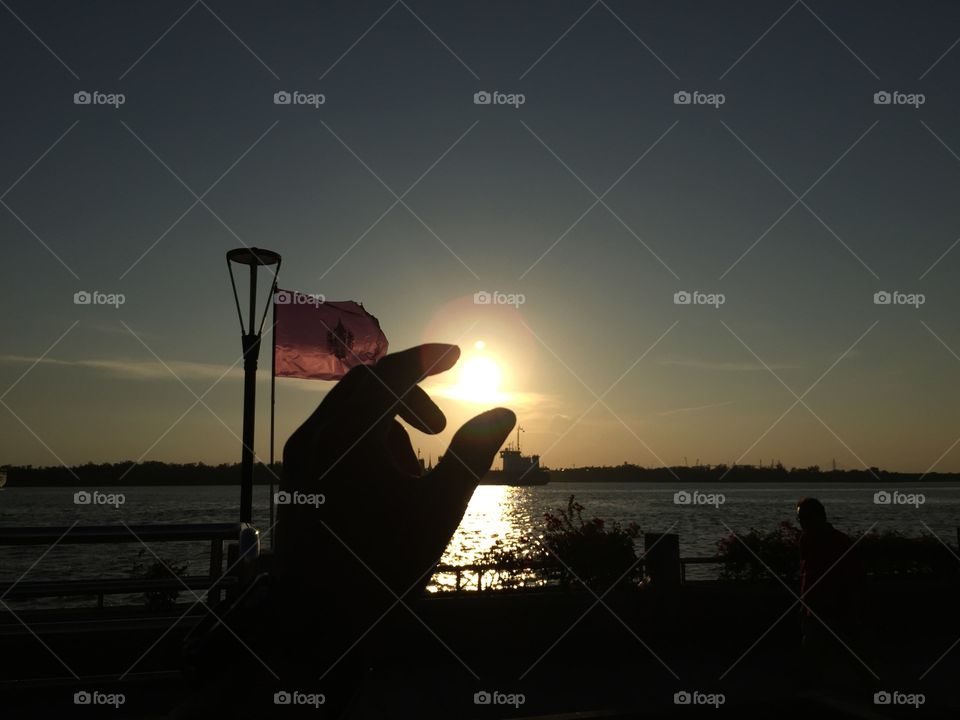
(479,377)
(479,380)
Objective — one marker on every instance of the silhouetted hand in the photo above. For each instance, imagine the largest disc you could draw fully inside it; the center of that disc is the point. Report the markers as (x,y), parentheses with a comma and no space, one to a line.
(381,522)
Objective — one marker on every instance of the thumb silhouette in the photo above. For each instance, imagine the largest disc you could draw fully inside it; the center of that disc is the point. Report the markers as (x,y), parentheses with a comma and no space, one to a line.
(473,448)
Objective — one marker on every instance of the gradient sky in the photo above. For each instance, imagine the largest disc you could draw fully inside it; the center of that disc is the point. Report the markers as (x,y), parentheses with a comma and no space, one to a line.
(100,211)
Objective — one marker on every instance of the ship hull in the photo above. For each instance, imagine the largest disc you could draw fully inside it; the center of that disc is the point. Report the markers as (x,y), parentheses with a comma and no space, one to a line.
(533,477)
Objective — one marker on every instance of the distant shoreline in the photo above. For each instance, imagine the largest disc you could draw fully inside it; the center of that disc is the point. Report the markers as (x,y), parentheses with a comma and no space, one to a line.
(129,474)
(716,474)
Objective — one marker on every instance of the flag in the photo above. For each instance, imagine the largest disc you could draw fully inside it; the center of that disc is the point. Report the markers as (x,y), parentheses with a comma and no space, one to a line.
(321,340)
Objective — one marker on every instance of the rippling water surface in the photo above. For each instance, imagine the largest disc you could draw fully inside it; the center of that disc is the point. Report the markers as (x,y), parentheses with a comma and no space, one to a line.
(495,513)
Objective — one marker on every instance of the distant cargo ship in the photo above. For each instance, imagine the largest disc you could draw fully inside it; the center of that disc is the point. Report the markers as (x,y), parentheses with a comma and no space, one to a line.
(518,469)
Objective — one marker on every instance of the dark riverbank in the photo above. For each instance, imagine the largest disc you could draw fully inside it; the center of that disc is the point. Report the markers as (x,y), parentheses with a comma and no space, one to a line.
(129,473)
(742,473)
(145,474)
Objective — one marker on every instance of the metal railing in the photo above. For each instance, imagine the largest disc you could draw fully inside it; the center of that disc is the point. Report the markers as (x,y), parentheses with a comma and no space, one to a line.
(473,574)
(214,582)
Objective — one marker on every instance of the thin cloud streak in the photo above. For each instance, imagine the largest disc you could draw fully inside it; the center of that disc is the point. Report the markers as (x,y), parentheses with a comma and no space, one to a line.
(678,411)
(137,369)
(725,366)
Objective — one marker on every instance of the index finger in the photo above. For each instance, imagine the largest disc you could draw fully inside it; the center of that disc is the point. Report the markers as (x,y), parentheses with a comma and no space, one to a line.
(368,392)
(401,371)
(384,387)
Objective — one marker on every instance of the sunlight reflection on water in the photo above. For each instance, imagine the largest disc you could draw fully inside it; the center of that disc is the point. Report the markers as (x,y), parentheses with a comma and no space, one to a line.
(495,512)
(508,514)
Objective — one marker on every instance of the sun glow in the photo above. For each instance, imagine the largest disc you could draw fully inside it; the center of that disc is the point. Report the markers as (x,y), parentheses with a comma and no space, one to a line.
(479,380)
(479,376)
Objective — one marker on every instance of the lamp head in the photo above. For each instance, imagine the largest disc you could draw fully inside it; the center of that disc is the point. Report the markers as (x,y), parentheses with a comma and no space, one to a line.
(253,256)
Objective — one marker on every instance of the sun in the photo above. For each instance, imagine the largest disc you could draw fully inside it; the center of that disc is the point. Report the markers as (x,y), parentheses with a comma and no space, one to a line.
(480,377)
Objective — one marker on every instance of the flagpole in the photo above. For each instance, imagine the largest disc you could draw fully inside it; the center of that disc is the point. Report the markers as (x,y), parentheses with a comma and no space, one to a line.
(273,401)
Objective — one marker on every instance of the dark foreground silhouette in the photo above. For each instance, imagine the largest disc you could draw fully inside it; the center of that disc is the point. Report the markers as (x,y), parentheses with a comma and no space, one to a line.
(342,565)
(341,613)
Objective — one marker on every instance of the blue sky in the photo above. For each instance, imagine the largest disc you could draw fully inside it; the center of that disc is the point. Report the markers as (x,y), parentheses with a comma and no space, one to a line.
(702,199)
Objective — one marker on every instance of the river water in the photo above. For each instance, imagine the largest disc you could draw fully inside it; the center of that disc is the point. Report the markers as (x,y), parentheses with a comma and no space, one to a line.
(495,513)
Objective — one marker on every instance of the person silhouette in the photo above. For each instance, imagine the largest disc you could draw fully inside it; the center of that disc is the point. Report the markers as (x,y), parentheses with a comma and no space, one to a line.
(831,590)
(360,536)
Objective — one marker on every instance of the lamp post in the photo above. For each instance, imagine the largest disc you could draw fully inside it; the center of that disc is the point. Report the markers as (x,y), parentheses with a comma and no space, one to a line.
(254,258)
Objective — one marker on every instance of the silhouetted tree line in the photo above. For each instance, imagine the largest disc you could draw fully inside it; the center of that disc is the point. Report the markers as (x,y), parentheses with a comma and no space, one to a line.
(160,473)
(738,473)
(130,473)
